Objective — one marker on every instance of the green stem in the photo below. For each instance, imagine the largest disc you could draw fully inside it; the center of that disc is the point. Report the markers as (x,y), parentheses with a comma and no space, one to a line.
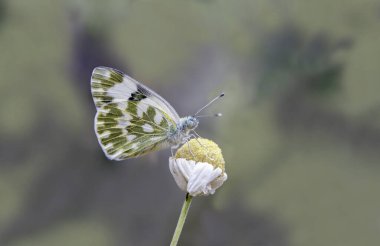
(181,220)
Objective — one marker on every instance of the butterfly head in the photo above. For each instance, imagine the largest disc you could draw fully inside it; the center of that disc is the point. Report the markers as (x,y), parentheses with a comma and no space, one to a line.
(189,123)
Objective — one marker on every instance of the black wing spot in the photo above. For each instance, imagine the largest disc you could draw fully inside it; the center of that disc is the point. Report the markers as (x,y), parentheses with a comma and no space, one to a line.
(139,95)
(143,90)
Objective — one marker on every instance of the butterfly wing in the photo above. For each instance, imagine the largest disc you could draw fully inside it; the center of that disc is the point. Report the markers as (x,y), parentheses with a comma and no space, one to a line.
(131,119)
(110,85)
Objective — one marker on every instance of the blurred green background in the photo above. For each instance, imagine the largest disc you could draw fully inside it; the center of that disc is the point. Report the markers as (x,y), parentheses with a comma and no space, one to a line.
(300,131)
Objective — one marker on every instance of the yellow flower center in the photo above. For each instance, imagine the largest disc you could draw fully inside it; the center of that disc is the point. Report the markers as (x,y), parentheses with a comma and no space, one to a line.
(202,150)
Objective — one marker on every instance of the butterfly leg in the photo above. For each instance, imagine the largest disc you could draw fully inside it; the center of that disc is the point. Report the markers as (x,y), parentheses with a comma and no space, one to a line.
(188,145)
(173,148)
(196,136)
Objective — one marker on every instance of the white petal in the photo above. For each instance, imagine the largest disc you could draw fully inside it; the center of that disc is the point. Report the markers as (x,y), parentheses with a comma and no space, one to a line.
(186,168)
(181,170)
(215,184)
(196,178)
(199,182)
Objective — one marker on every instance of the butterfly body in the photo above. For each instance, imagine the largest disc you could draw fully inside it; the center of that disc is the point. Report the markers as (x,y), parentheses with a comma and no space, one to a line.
(133,120)
(181,134)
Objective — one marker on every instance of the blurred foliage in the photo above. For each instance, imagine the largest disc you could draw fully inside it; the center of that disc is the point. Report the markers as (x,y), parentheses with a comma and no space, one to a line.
(300,131)
(288,56)
(2,11)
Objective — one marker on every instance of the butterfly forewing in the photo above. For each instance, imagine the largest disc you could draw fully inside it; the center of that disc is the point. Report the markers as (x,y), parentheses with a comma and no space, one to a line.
(131,119)
(110,85)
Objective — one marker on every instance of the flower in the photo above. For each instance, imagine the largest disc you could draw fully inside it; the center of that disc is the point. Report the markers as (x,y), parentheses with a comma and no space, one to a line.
(198,167)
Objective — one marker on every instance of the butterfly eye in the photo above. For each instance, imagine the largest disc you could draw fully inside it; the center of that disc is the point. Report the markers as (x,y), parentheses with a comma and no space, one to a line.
(192,123)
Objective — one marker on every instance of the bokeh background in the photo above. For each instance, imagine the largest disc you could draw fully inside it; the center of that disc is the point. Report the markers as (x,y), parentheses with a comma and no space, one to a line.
(300,131)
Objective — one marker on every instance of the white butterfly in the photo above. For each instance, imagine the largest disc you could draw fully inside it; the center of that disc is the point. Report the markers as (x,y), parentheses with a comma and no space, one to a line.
(133,120)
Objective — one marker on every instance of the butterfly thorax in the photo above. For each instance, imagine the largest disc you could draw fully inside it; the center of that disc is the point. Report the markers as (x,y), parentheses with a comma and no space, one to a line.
(180,134)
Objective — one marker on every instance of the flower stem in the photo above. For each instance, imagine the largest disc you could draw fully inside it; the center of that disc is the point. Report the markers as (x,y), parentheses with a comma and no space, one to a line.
(181,219)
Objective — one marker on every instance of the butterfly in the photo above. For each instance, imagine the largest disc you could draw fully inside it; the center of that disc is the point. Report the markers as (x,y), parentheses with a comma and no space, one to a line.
(133,120)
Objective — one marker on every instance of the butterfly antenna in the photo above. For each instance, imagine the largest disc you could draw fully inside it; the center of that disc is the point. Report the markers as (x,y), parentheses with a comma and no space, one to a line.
(209,115)
(208,104)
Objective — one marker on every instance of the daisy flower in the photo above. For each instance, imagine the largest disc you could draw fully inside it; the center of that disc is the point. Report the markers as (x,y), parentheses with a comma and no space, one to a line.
(198,169)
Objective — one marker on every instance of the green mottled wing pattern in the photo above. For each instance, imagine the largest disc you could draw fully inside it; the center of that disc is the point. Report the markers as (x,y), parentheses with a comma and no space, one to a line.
(131,119)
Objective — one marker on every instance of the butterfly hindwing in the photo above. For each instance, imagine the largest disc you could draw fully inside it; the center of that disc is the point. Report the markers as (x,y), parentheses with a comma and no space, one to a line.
(131,119)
